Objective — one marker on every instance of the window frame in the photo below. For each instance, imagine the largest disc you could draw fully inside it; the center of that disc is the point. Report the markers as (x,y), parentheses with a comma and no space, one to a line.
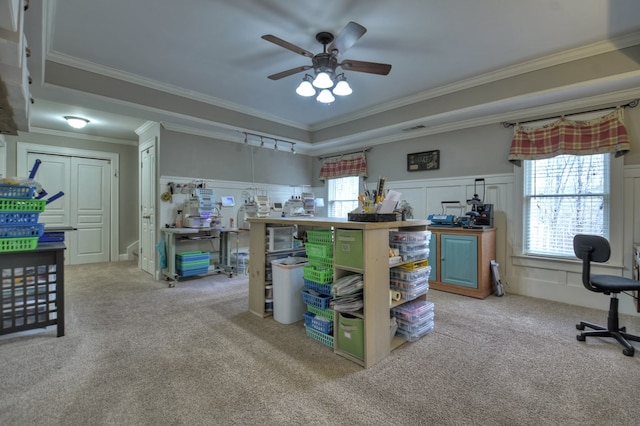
(616,225)
(331,201)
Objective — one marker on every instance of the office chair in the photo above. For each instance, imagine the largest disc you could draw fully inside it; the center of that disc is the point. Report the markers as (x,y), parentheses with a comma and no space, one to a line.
(594,248)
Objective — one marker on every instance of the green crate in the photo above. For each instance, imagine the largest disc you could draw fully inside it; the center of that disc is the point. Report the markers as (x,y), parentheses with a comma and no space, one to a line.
(18,244)
(319,250)
(320,236)
(22,205)
(325,339)
(318,274)
(321,262)
(327,313)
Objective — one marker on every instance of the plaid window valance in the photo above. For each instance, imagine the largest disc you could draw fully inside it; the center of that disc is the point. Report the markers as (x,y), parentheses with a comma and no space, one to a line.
(343,166)
(564,136)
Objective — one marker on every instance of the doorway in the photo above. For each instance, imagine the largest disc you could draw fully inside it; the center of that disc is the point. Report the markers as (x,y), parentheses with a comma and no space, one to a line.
(90,204)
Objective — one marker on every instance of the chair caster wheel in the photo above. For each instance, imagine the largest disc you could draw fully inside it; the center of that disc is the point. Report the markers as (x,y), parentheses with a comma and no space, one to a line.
(628,352)
(580,326)
(581,338)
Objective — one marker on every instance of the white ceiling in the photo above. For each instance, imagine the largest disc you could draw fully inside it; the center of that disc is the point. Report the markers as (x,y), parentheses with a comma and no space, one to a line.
(212,51)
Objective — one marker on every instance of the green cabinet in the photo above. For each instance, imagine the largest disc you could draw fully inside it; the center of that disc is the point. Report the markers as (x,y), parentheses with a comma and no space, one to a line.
(459,260)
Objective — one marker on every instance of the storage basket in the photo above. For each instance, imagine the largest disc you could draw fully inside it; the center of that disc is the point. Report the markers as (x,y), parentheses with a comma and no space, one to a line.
(22,205)
(318,287)
(318,275)
(16,191)
(327,313)
(17,218)
(18,244)
(22,231)
(319,250)
(320,324)
(321,262)
(325,339)
(320,301)
(320,236)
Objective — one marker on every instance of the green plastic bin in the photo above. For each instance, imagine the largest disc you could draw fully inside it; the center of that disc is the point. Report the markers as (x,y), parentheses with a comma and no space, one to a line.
(351,335)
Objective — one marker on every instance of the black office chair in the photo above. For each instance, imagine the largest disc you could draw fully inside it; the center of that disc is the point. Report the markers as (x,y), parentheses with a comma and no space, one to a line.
(594,248)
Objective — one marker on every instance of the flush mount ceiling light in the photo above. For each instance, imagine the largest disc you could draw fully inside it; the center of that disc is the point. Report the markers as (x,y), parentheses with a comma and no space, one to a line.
(76,122)
(324,65)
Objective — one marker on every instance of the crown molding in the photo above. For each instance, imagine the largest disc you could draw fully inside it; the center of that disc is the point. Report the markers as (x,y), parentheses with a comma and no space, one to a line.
(507,72)
(82,136)
(109,72)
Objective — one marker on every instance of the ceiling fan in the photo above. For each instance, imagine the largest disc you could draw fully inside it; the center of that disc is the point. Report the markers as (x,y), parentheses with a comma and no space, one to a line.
(325,64)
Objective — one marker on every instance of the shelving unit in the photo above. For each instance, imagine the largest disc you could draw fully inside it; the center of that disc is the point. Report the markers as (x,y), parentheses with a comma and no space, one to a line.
(374,268)
(460,260)
(177,236)
(33,289)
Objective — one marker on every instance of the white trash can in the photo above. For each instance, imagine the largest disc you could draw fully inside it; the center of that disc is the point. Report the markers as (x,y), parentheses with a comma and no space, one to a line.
(288,283)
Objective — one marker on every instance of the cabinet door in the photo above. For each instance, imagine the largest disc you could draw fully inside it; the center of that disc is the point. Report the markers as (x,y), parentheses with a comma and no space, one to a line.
(433,256)
(459,260)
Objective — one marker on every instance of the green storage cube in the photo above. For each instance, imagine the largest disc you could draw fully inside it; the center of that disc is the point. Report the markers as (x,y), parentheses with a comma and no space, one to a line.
(351,335)
(348,250)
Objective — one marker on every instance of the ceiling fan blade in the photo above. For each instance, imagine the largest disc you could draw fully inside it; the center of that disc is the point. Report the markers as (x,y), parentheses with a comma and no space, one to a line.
(287,73)
(370,67)
(287,45)
(347,37)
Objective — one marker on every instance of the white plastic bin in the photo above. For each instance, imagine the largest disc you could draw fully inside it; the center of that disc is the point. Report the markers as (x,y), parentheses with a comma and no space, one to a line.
(288,283)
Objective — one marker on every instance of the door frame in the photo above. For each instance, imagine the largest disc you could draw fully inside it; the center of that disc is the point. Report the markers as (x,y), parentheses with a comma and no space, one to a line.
(23,148)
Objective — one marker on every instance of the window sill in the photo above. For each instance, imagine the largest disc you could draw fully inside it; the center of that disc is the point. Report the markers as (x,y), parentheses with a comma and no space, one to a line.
(558,264)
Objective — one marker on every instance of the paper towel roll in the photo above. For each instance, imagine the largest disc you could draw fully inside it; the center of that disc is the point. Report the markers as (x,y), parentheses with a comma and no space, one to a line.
(394,296)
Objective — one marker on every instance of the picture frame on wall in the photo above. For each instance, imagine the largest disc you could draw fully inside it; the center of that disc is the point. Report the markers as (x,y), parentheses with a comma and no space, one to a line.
(427,160)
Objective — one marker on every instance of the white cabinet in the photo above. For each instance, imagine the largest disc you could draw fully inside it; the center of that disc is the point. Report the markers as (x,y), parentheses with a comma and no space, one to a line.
(15,95)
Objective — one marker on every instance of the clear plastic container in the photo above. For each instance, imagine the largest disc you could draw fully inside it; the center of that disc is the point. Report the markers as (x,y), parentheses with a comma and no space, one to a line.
(410,275)
(410,294)
(408,237)
(415,335)
(410,247)
(412,327)
(408,285)
(418,255)
(413,311)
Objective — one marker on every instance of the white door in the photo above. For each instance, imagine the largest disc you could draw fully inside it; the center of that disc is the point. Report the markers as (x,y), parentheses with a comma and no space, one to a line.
(90,213)
(147,252)
(85,204)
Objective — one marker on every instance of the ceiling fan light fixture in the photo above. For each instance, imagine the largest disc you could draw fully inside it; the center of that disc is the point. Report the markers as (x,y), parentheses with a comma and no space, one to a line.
(306,88)
(325,97)
(323,80)
(342,88)
(76,122)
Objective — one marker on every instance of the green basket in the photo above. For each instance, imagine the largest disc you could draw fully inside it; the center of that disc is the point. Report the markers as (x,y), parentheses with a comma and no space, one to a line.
(321,262)
(325,339)
(22,205)
(18,244)
(327,313)
(324,236)
(318,275)
(319,250)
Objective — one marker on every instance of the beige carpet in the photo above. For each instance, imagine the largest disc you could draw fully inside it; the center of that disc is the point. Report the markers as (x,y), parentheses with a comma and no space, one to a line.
(137,352)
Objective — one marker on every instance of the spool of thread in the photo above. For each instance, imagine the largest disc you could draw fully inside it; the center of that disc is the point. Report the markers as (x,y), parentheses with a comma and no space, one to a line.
(394,296)
(268,291)
(268,305)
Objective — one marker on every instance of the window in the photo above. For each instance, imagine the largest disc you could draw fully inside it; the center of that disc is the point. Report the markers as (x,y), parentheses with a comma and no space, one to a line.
(564,196)
(342,195)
